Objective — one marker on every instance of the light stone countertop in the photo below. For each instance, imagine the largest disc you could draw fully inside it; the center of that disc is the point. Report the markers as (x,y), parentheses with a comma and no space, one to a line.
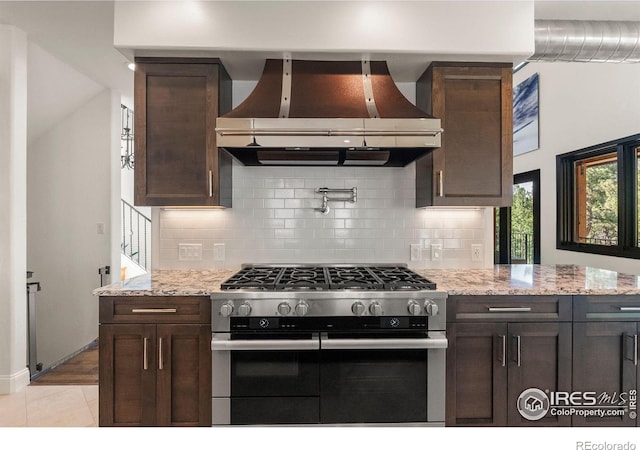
(517,279)
(170,282)
(534,279)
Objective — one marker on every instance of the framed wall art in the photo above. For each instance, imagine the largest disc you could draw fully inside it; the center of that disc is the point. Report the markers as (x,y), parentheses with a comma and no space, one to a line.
(526,130)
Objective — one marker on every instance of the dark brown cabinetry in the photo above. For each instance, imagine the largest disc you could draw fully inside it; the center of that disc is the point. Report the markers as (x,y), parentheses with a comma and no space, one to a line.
(155,361)
(474,164)
(177,162)
(605,355)
(498,347)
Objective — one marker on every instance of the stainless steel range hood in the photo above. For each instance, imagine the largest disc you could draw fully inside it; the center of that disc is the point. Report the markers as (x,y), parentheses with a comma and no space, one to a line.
(327,113)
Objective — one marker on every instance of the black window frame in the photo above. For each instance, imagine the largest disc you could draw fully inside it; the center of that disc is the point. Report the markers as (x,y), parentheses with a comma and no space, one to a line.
(627,162)
(504,215)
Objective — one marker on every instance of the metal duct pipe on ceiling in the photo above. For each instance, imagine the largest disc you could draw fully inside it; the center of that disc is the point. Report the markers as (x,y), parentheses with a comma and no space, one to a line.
(586,41)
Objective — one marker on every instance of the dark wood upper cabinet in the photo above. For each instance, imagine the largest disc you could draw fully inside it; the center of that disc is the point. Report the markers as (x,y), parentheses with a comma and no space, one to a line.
(177,162)
(474,164)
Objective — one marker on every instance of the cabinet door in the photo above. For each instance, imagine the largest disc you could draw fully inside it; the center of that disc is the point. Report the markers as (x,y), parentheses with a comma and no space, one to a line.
(539,357)
(177,161)
(477,374)
(184,375)
(473,165)
(604,362)
(127,375)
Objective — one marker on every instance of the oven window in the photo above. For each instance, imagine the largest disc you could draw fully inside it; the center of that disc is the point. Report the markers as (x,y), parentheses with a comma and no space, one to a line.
(274,373)
(374,386)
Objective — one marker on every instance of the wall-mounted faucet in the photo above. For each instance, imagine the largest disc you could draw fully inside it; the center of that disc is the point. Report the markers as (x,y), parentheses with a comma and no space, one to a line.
(326,199)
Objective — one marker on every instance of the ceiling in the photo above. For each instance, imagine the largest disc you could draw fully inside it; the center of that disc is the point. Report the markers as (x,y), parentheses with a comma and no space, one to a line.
(80,33)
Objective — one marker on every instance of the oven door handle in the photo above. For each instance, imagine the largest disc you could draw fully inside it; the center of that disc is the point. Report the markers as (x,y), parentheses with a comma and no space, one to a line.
(218,344)
(435,340)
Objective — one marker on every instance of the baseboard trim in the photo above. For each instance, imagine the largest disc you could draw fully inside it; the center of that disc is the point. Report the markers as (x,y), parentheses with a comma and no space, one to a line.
(14,382)
(91,344)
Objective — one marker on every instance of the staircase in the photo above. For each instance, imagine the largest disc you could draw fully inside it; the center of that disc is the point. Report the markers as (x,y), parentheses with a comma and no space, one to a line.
(136,236)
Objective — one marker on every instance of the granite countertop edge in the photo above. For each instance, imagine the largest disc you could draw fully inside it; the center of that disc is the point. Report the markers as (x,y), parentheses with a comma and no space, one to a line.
(499,280)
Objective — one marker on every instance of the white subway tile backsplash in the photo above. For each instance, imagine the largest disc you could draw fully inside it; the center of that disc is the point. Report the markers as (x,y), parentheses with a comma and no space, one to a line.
(274,203)
(274,219)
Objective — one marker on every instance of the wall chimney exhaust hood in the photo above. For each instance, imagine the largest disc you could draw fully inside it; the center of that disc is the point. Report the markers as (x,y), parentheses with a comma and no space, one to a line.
(327,113)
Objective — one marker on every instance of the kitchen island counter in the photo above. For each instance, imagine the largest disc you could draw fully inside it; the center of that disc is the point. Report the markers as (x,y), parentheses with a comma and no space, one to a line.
(533,279)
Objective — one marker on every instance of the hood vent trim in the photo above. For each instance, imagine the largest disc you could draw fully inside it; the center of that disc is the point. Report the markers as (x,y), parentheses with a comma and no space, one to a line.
(352,110)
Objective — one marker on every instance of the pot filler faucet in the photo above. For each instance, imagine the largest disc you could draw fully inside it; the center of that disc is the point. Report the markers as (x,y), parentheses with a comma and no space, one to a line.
(326,199)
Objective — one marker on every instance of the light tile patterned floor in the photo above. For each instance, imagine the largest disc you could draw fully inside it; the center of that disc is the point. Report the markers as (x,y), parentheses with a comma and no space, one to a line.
(50,406)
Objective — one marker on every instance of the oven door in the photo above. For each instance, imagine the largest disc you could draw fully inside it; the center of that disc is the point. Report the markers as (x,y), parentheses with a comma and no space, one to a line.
(382,377)
(265,378)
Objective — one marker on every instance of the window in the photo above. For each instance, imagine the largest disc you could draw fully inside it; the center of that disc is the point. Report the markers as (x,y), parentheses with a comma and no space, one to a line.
(517,227)
(598,201)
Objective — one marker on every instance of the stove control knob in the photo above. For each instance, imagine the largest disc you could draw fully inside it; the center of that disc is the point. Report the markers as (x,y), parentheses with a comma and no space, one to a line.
(431,308)
(375,309)
(414,308)
(302,308)
(357,308)
(284,308)
(244,309)
(226,309)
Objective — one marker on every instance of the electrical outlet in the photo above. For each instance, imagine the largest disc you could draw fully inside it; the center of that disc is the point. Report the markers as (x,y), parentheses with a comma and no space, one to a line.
(436,252)
(416,252)
(100,228)
(476,252)
(189,252)
(218,252)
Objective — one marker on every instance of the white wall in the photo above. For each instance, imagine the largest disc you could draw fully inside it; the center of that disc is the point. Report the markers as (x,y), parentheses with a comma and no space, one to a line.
(581,104)
(435,27)
(69,194)
(13,192)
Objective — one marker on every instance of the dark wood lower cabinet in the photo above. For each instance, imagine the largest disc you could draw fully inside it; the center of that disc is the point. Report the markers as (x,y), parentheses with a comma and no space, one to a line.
(604,362)
(490,364)
(476,378)
(155,375)
(127,389)
(540,357)
(184,375)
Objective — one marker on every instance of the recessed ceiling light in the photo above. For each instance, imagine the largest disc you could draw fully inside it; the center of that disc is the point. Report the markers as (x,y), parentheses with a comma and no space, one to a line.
(131,66)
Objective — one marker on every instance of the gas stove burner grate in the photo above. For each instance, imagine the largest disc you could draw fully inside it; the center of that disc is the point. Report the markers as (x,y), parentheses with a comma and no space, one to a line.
(254,278)
(401,278)
(372,278)
(353,278)
(302,278)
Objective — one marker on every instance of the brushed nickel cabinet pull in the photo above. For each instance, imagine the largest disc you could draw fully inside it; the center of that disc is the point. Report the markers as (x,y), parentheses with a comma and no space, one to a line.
(154,310)
(160,358)
(629,308)
(441,183)
(211,183)
(519,353)
(145,354)
(509,309)
(503,358)
(629,346)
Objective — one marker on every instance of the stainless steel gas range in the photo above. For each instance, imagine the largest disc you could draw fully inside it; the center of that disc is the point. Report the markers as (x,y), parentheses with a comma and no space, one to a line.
(328,344)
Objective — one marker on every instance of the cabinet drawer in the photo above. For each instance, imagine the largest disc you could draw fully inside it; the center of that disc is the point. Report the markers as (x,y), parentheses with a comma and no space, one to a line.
(501,308)
(619,308)
(147,309)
